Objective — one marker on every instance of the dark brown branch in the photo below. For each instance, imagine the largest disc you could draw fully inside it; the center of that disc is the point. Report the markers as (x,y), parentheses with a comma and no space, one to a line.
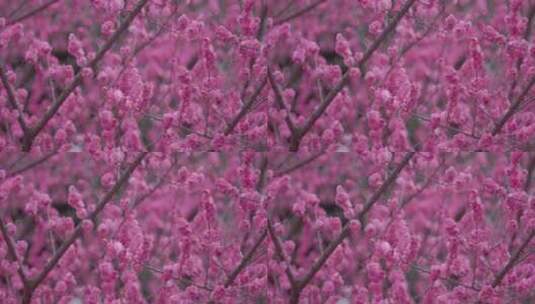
(11,97)
(512,261)
(34,283)
(427,183)
(32,133)
(529,177)
(249,256)
(299,165)
(36,11)
(514,107)
(246,107)
(345,229)
(184,280)
(157,186)
(262,176)
(297,14)
(280,100)
(300,133)
(245,260)
(13,252)
(280,253)
(262,25)
(32,164)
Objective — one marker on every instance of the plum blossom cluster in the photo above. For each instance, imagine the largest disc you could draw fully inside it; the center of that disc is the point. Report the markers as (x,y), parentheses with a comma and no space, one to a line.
(267,151)
(267,75)
(249,227)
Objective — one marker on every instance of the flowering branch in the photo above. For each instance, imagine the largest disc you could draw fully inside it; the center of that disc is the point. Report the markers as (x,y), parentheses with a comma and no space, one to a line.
(301,12)
(33,164)
(245,260)
(280,100)
(280,253)
(33,12)
(32,133)
(13,251)
(35,282)
(299,165)
(300,133)
(512,261)
(345,230)
(514,107)
(529,177)
(11,98)
(245,108)
(248,257)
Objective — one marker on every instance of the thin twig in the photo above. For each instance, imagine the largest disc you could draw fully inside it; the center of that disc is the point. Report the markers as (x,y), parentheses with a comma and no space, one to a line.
(183,279)
(300,133)
(280,100)
(512,261)
(32,164)
(447,127)
(299,165)
(34,283)
(32,133)
(249,256)
(529,177)
(11,97)
(391,179)
(18,8)
(345,229)
(158,184)
(280,253)
(418,268)
(499,126)
(13,252)
(32,13)
(297,14)
(245,260)
(427,183)
(245,109)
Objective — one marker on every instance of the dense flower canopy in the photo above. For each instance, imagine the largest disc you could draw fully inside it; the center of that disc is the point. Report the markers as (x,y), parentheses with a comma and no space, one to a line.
(267,151)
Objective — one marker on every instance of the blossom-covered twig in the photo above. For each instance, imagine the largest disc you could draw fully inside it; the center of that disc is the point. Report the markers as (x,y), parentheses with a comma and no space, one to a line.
(34,282)
(32,133)
(301,132)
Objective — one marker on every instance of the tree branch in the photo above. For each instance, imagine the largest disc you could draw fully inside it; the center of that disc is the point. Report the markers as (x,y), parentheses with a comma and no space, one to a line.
(426,184)
(280,100)
(248,257)
(280,253)
(32,133)
(529,177)
(512,261)
(11,98)
(246,107)
(390,180)
(514,107)
(345,229)
(158,184)
(32,164)
(13,252)
(33,12)
(299,165)
(300,133)
(245,260)
(34,283)
(297,14)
